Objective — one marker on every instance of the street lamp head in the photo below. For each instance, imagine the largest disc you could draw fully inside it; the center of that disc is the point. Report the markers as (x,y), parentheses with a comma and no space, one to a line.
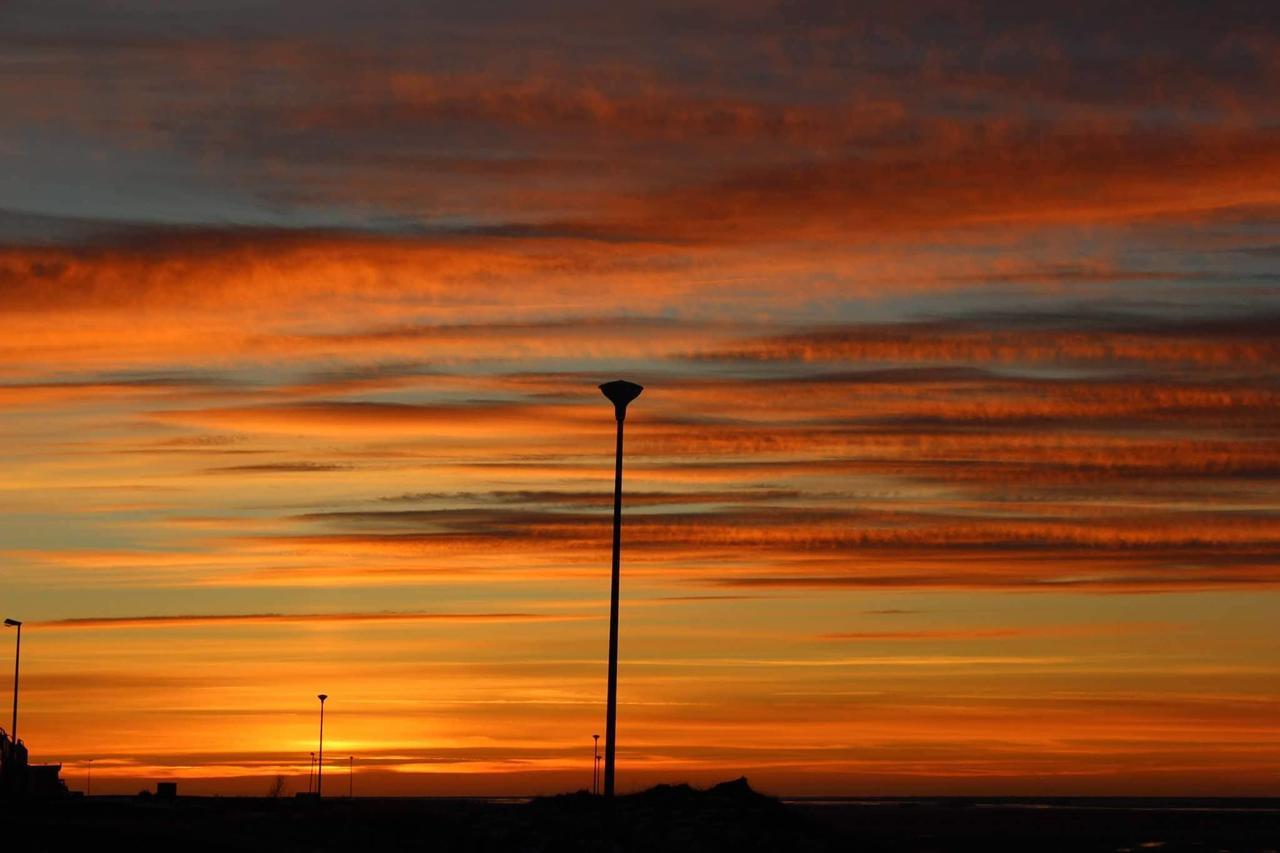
(12,623)
(621,392)
(322,696)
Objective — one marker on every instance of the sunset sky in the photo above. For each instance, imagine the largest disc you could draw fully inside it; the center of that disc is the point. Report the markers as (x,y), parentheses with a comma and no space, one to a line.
(957,468)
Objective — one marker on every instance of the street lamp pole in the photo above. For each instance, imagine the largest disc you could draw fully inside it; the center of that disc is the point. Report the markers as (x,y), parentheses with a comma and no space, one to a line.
(88,780)
(320,757)
(595,764)
(17,660)
(351,769)
(620,393)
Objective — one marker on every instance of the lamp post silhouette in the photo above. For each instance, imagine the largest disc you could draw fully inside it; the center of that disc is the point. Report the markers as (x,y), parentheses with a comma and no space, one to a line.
(595,764)
(620,393)
(88,779)
(311,774)
(17,660)
(351,769)
(320,757)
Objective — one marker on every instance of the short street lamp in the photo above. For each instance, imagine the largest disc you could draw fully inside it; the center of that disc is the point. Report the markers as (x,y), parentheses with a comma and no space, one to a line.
(17,660)
(320,756)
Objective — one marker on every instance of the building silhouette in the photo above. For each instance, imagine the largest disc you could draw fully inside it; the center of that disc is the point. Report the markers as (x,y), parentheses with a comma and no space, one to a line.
(20,778)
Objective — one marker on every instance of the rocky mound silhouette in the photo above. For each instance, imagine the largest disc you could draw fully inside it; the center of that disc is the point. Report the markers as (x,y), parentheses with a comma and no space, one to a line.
(670,818)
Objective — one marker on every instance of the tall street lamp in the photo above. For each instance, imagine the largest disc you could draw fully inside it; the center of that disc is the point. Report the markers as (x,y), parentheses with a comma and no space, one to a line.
(620,393)
(17,659)
(320,757)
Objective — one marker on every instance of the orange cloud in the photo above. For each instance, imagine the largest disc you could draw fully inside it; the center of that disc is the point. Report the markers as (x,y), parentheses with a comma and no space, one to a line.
(985,633)
(1051,176)
(1242,343)
(283,619)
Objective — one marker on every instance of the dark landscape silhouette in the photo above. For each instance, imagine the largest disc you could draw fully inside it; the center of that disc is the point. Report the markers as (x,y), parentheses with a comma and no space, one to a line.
(673,818)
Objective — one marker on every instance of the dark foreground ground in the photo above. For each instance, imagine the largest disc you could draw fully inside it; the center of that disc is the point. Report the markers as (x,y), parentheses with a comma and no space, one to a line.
(667,819)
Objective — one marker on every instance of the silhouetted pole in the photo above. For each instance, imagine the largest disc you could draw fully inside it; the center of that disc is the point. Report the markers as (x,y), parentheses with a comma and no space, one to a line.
(620,393)
(88,779)
(351,769)
(320,758)
(595,764)
(311,774)
(17,660)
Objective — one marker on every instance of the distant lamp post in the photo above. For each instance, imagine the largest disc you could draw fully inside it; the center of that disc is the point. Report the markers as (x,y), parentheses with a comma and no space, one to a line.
(17,660)
(595,764)
(320,757)
(351,770)
(311,774)
(88,779)
(620,393)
